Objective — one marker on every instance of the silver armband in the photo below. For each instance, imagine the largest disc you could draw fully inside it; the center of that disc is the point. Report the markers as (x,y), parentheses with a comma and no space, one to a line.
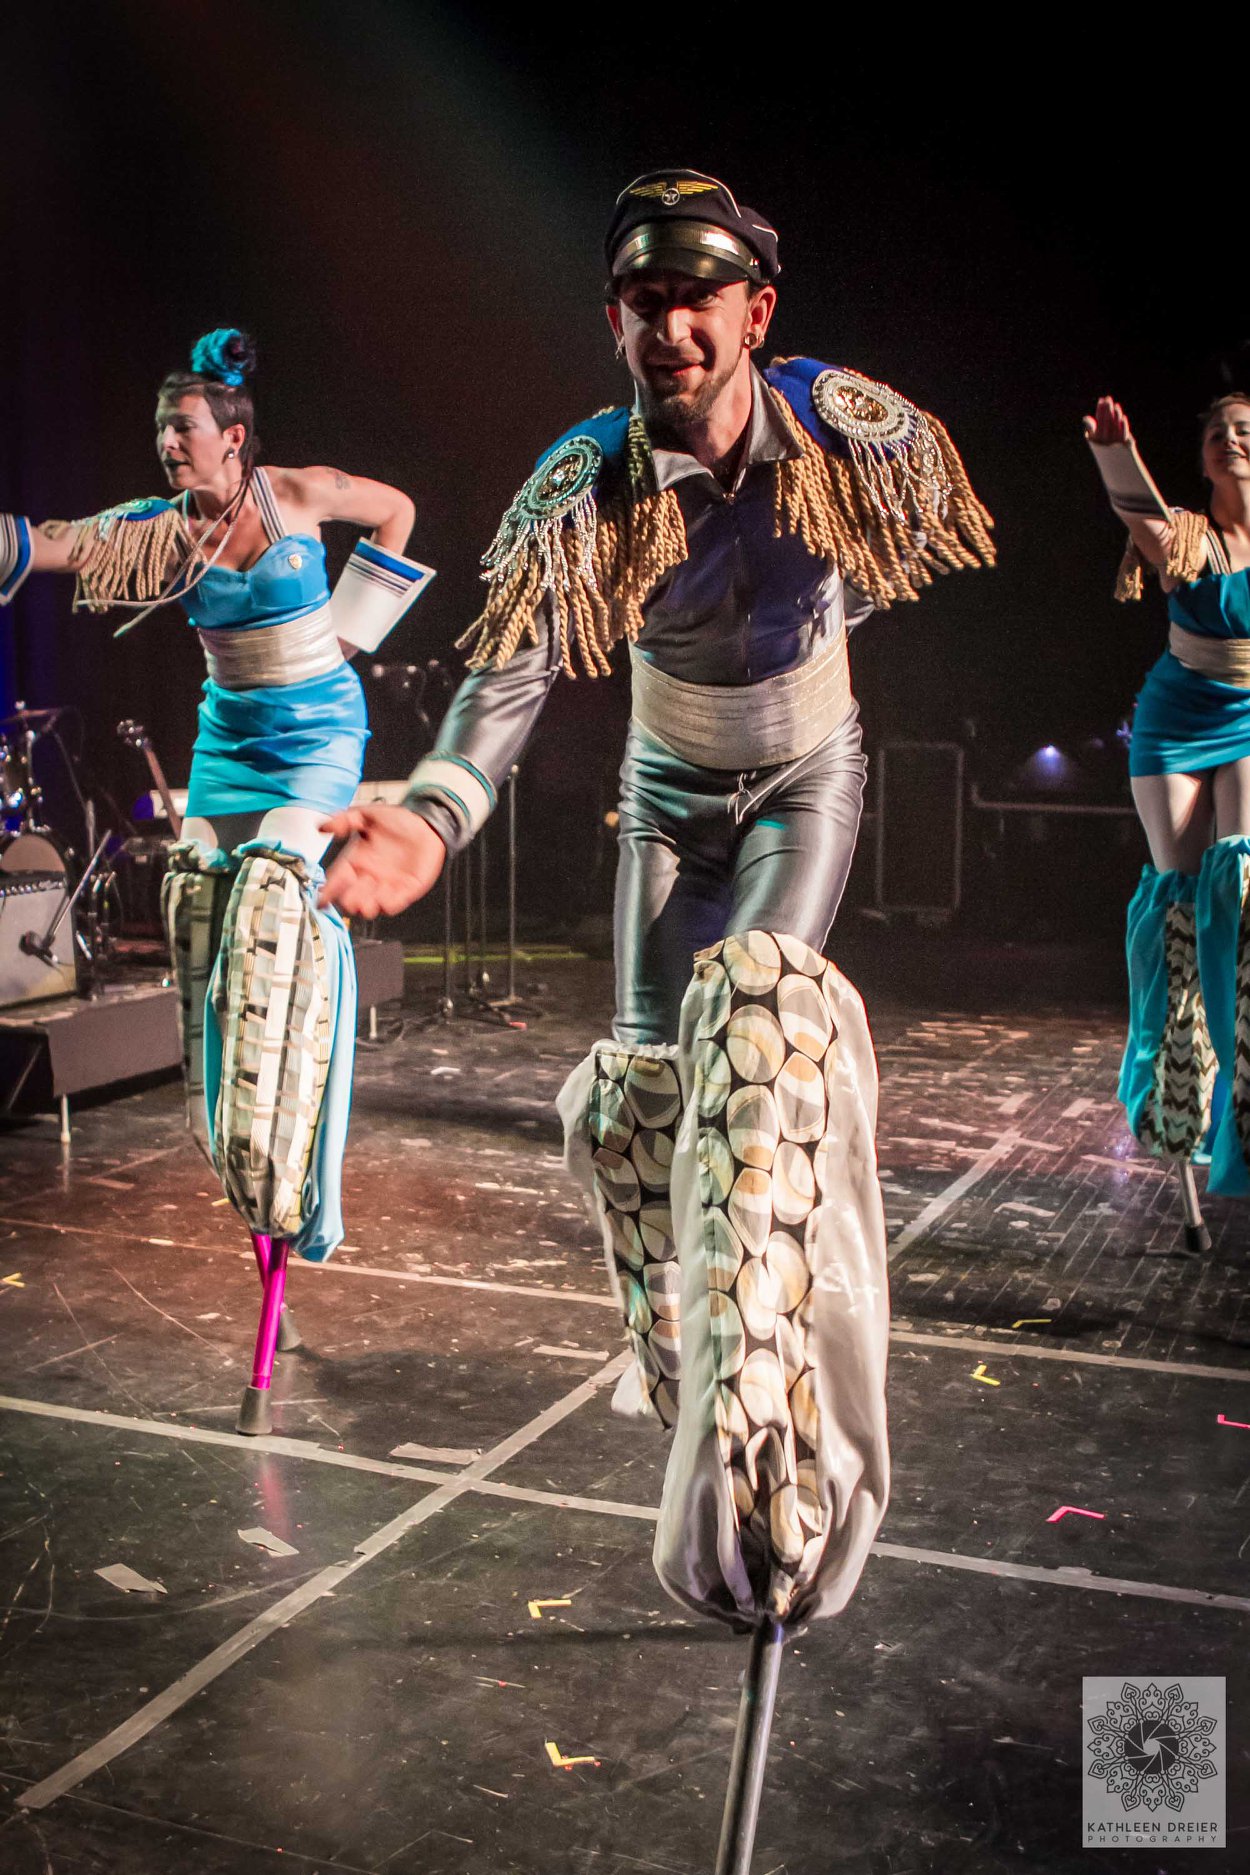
(464,790)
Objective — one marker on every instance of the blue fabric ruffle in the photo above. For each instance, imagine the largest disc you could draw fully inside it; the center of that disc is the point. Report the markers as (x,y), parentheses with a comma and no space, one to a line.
(1148,983)
(1221,888)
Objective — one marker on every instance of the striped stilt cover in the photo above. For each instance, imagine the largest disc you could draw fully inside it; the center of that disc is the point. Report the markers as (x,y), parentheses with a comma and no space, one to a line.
(1177,1115)
(635,1107)
(193,905)
(272,1001)
(1241,1041)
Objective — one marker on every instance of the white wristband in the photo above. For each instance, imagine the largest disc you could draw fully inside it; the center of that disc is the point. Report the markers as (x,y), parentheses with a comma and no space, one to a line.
(1128,481)
(373,592)
(460,787)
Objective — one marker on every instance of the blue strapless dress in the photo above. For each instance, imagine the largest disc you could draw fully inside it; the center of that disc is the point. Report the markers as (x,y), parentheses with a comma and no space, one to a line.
(262,748)
(1185,722)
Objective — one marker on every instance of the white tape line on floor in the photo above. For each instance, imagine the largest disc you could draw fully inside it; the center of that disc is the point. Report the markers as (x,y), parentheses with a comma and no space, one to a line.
(939,1206)
(289,1607)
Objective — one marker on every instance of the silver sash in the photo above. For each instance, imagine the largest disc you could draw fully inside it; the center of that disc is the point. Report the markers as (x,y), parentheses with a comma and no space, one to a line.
(255,657)
(744,726)
(1227,660)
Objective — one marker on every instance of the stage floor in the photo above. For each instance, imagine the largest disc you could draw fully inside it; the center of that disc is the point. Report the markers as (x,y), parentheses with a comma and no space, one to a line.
(398,1693)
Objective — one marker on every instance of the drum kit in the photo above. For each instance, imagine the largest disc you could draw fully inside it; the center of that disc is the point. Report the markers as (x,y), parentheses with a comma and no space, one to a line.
(26,845)
(60,939)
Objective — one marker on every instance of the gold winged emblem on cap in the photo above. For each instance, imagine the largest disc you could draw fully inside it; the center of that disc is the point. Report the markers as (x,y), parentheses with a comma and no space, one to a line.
(670,193)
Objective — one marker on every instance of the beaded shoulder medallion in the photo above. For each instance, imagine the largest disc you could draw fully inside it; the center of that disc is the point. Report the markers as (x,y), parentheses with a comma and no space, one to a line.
(560,481)
(562,488)
(863,410)
(888,438)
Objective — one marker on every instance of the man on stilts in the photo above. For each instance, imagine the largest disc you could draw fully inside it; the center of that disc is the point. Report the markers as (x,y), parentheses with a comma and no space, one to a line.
(731,527)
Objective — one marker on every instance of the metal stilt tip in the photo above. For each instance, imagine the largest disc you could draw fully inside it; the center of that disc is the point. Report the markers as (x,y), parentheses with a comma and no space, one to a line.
(289,1337)
(255,1416)
(750,1752)
(1197,1236)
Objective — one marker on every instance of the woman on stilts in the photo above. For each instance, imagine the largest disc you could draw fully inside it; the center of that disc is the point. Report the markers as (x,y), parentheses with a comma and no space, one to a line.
(266,979)
(1189,760)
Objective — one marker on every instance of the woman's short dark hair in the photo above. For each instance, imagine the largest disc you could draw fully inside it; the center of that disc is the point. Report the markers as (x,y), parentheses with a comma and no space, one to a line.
(221,364)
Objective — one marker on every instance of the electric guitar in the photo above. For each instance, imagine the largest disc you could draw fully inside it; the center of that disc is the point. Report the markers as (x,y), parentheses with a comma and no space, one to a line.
(135,736)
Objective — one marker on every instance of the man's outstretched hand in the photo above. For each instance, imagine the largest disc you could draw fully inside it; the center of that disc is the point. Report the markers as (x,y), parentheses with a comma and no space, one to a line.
(391,859)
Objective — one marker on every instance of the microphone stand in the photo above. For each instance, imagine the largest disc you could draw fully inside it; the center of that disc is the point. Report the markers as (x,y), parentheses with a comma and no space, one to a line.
(34,945)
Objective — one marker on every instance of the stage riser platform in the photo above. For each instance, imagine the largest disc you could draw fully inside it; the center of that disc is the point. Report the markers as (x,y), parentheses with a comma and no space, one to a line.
(70,1045)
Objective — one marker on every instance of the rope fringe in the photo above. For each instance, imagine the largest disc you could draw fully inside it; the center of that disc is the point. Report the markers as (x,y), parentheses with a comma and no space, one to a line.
(121,555)
(886,525)
(596,599)
(1186,556)
(886,529)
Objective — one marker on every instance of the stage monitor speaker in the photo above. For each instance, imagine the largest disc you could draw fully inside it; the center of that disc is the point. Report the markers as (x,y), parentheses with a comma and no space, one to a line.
(29,902)
(920,816)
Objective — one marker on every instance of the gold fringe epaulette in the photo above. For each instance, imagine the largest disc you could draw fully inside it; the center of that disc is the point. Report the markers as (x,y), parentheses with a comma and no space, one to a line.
(1186,556)
(125,553)
(888,525)
(592,537)
(594,552)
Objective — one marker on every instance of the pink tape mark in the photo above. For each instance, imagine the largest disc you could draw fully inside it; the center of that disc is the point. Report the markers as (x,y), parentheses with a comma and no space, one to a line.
(1073,1510)
(1239,1423)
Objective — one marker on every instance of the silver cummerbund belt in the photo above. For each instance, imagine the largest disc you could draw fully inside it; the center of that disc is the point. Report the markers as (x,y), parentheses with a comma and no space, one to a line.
(1227,660)
(741,726)
(254,657)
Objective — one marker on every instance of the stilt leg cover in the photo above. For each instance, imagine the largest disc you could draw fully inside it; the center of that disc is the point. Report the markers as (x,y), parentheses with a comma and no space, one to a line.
(779,1471)
(1168,1075)
(194,895)
(620,1109)
(1223,907)
(274,998)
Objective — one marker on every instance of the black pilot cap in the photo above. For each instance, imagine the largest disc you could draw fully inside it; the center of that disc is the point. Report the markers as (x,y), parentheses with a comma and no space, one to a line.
(682,220)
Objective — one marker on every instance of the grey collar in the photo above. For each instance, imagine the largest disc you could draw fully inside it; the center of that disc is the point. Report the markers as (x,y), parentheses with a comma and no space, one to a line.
(769,440)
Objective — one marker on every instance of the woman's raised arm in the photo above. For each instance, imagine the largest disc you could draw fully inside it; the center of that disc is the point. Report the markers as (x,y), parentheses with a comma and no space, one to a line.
(324,494)
(1133,495)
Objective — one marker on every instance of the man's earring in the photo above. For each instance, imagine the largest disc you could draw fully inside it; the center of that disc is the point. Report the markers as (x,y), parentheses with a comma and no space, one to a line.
(229,454)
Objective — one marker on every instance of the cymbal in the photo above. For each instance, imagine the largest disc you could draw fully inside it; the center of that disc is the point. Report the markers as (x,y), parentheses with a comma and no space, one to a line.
(21,718)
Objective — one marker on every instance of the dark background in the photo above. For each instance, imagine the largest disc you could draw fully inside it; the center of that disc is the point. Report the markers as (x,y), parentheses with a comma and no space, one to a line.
(404,204)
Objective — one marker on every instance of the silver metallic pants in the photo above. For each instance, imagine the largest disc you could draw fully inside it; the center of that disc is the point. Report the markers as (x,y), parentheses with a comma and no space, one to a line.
(709,853)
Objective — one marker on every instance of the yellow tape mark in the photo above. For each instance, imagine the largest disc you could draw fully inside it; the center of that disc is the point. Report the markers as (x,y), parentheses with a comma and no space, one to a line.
(979,1373)
(560,1601)
(561,1762)
(1030,1321)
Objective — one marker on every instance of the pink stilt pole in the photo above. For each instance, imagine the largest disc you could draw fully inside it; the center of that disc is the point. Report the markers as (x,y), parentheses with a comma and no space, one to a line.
(254,1414)
(270,1311)
(289,1336)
